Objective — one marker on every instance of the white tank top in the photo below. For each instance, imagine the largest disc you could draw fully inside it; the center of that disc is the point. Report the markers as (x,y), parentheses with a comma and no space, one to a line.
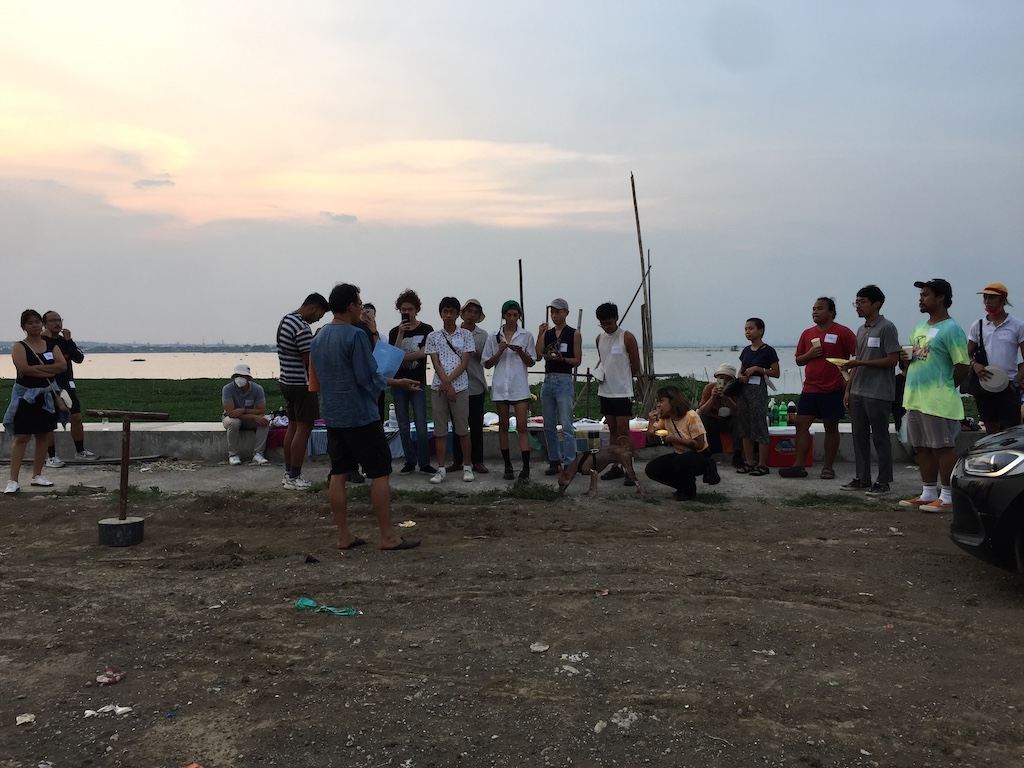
(618,376)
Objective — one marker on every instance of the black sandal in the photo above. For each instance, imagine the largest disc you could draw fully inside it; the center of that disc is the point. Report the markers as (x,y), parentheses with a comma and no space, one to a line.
(759,471)
(745,469)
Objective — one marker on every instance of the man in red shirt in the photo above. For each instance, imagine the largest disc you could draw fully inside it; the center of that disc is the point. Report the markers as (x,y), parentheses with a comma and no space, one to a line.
(824,385)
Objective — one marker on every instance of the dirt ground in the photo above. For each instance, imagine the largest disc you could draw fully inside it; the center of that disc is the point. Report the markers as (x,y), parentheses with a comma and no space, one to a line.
(738,630)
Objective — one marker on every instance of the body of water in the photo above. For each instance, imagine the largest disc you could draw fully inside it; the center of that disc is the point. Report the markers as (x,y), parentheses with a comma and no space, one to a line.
(686,361)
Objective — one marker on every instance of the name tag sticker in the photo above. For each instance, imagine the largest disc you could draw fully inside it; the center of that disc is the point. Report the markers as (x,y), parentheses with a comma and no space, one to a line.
(874,341)
(563,347)
(616,349)
(933,333)
(47,355)
(754,380)
(831,338)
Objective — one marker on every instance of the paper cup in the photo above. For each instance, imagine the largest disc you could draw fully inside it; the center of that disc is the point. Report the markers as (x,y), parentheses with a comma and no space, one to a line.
(815,342)
(908,351)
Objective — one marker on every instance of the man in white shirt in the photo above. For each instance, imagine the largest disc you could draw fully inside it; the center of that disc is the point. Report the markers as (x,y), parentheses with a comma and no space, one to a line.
(1002,337)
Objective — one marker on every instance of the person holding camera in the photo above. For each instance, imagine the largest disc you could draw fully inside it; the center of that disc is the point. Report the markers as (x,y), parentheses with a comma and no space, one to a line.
(411,336)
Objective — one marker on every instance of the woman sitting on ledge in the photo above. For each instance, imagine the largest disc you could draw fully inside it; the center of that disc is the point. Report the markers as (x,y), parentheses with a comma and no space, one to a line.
(674,422)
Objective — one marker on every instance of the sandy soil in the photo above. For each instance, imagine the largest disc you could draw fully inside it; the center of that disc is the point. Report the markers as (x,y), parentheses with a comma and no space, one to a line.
(736,631)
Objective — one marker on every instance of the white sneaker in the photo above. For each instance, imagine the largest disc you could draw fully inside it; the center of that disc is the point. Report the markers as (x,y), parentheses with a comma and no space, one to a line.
(438,477)
(12,487)
(54,462)
(259,459)
(296,484)
(467,475)
(85,455)
(41,481)
(234,460)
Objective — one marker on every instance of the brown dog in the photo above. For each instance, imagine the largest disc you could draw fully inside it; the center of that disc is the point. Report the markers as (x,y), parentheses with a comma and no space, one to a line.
(592,462)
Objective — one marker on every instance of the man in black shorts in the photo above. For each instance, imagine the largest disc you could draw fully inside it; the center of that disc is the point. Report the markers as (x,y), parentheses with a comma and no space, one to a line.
(350,384)
(53,327)
(293,339)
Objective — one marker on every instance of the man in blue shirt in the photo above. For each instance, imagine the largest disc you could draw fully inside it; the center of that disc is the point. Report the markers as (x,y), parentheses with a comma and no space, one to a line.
(349,387)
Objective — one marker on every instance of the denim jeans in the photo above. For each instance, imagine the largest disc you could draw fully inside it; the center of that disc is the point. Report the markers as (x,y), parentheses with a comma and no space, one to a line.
(556,396)
(418,401)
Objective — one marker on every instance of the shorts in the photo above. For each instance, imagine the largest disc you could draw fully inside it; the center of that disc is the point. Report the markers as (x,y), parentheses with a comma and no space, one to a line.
(348,448)
(457,411)
(302,405)
(1001,408)
(616,406)
(827,406)
(927,431)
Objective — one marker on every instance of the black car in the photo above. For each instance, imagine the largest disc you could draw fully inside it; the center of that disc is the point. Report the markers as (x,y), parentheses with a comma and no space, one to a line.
(988,500)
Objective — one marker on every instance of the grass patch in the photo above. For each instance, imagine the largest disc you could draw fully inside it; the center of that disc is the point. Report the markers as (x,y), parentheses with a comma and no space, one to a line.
(531,491)
(713,498)
(826,500)
(138,495)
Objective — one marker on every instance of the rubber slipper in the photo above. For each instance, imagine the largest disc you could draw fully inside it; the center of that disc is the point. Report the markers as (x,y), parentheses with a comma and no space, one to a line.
(405,544)
(356,542)
(759,471)
(793,472)
(828,474)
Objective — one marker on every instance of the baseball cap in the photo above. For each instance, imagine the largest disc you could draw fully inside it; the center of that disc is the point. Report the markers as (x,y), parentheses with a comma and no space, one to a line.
(242,370)
(478,305)
(559,304)
(995,289)
(937,286)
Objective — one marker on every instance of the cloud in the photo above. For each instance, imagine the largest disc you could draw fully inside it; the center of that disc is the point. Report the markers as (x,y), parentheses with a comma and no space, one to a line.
(339,218)
(162,180)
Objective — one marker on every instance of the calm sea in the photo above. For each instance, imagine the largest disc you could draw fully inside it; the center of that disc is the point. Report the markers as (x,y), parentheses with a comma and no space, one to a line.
(686,361)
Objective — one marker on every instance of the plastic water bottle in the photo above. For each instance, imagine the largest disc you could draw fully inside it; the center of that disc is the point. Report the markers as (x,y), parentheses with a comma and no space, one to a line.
(773,413)
(392,417)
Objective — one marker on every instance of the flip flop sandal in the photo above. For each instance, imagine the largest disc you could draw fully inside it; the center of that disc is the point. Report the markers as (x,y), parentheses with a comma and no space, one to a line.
(828,474)
(759,471)
(745,469)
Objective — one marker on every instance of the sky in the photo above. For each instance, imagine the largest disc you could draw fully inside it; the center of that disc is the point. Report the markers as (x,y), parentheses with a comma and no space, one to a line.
(190,171)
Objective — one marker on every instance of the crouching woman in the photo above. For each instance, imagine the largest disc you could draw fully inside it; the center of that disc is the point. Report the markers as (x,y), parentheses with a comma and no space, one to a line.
(674,422)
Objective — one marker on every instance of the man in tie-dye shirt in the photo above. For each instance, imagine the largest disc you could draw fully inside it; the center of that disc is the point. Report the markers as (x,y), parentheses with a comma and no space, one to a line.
(935,367)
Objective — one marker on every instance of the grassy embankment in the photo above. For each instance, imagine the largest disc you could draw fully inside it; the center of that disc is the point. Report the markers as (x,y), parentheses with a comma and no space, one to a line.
(199,399)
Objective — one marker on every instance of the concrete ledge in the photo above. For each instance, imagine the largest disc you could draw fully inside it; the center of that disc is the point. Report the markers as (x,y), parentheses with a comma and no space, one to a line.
(206,441)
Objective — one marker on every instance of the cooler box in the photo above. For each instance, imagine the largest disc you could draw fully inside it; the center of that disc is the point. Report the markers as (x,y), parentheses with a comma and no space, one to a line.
(782,447)
(591,436)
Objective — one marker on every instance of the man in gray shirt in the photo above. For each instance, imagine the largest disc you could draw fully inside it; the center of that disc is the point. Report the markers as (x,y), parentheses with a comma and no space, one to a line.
(870,390)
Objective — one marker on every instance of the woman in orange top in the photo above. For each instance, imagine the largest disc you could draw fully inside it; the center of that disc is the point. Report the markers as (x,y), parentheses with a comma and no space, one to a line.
(685,432)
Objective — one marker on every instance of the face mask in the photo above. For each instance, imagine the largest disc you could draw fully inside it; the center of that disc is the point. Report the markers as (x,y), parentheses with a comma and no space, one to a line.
(241,381)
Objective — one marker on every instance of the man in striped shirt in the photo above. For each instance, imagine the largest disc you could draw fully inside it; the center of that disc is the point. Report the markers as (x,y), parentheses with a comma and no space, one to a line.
(293,339)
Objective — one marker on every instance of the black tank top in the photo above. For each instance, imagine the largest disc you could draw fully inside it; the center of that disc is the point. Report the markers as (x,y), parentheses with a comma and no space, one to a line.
(566,337)
(34,358)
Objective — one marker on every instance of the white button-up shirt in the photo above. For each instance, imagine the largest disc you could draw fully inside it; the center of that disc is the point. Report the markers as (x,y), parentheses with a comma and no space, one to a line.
(509,382)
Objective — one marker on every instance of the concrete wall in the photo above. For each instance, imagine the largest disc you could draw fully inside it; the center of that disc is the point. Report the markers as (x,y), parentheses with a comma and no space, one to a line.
(207,442)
